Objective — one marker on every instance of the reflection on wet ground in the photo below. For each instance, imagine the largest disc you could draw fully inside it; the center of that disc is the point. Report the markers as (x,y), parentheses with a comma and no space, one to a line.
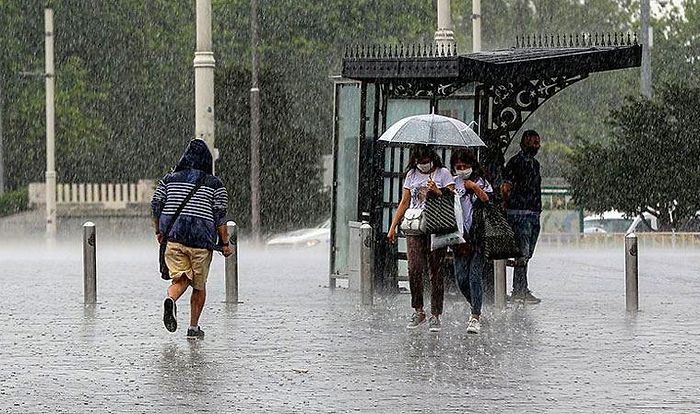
(295,346)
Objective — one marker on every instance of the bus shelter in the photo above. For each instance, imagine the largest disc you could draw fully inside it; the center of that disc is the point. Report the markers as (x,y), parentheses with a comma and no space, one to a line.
(494,91)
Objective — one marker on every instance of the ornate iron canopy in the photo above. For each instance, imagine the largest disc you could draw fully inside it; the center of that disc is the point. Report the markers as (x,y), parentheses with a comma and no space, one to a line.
(533,57)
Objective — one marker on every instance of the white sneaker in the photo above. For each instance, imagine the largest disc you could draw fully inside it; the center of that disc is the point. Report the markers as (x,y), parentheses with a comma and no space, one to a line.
(474,325)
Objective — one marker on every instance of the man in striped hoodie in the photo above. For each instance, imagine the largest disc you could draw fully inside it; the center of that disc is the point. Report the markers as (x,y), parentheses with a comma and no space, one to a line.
(193,235)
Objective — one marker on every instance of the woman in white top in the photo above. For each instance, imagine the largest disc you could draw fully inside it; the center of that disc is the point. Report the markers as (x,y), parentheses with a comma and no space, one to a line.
(472,188)
(425,174)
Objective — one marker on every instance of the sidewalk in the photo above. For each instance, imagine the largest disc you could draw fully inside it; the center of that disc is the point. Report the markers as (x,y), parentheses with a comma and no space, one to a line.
(296,346)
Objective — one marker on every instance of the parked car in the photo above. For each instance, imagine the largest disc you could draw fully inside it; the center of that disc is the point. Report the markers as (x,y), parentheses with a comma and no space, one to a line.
(319,235)
(614,221)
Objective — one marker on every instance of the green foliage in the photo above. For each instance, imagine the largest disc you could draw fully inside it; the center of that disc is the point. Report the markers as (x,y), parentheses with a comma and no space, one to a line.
(652,159)
(14,202)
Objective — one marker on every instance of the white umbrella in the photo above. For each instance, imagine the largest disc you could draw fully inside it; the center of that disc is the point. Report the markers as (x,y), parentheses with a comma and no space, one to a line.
(432,130)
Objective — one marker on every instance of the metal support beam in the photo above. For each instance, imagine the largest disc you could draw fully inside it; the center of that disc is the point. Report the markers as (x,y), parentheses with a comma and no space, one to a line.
(50,127)
(254,127)
(204,64)
(645,85)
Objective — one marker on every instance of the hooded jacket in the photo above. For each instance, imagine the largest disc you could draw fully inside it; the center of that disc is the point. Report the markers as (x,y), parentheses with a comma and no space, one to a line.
(204,212)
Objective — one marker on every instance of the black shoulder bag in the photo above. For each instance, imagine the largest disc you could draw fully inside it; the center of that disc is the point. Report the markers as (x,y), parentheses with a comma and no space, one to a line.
(164,271)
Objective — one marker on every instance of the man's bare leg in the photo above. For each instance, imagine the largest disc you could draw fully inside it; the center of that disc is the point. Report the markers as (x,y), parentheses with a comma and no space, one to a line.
(197,305)
(178,288)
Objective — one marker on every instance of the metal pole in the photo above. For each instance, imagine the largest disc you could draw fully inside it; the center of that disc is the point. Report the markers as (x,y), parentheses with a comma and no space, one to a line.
(499,283)
(231,264)
(254,126)
(476,25)
(444,36)
(366,276)
(204,64)
(2,157)
(50,131)
(645,85)
(89,263)
(631,273)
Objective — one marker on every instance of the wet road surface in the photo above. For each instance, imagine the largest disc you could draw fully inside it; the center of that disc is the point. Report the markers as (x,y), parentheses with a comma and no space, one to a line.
(294,346)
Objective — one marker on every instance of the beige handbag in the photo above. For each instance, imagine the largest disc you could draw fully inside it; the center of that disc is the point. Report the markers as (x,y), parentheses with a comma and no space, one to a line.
(413,223)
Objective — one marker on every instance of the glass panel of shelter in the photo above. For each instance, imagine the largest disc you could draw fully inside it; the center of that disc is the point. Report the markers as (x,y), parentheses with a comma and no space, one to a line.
(346,170)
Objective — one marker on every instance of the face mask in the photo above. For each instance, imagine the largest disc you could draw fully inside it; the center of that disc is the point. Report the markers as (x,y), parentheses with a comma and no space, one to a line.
(464,174)
(424,168)
(530,151)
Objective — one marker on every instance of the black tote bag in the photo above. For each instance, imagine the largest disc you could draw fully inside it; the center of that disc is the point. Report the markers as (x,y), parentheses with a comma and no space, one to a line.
(491,229)
(440,213)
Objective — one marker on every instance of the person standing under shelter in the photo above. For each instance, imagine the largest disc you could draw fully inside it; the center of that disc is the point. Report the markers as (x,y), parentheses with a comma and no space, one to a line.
(522,198)
(192,236)
(426,174)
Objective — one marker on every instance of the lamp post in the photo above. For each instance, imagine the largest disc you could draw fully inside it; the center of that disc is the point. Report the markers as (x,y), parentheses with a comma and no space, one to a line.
(2,157)
(254,126)
(476,25)
(50,128)
(204,64)
(645,84)
(444,36)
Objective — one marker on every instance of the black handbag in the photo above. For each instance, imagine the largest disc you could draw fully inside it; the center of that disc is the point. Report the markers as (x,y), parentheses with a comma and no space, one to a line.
(491,229)
(440,213)
(164,271)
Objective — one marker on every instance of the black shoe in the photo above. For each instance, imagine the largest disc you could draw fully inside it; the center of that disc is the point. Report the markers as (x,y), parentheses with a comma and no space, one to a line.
(526,297)
(170,314)
(195,333)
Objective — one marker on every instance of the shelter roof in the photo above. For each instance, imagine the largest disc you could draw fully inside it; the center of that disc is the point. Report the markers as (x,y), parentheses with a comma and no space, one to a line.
(535,58)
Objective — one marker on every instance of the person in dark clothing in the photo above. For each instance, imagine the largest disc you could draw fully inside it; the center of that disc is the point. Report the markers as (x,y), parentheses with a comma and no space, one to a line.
(522,199)
(194,233)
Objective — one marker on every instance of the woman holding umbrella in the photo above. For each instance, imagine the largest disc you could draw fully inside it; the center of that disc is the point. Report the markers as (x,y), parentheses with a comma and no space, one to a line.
(425,173)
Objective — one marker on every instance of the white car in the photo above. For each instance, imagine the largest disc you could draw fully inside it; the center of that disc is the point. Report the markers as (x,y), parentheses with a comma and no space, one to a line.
(320,235)
(616,222)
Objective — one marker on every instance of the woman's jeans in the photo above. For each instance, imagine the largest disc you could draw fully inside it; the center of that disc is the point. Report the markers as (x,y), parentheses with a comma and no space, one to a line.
(468,273)
(420,259)
(526,225)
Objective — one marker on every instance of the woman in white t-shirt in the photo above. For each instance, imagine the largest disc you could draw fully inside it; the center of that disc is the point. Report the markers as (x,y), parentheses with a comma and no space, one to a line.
(425,174)
(472,188)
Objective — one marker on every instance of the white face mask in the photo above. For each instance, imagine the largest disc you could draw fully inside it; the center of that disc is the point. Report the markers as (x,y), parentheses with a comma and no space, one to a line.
(464,174)
(425,168)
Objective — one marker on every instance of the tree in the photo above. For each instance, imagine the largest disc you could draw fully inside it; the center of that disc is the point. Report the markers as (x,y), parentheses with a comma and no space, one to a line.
(653,158)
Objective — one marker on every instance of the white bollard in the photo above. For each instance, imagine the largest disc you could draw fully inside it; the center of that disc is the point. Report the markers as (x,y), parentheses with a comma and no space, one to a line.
(231,264)
(499,284)
(89,263)
(631,273)
(366,274)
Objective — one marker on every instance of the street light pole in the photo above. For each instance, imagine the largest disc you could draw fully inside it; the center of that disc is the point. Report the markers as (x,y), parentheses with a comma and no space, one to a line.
(204,64)
(645,84)
(2,156)
(50,128)
(444,36)
(476,25)
(254,126)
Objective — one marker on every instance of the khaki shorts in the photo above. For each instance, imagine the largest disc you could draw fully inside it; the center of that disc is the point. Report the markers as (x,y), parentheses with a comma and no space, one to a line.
(189,261)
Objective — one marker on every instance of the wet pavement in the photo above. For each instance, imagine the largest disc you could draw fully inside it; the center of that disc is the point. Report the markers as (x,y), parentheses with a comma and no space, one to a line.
(294,346)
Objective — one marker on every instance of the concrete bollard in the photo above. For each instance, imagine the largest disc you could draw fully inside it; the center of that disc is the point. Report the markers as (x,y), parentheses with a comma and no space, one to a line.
(499,284)
(366,274)
(231,264)
(631,273)
(89,263)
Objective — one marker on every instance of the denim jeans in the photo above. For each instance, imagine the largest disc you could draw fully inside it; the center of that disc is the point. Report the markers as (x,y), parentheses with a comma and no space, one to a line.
(526,225)
(468,273)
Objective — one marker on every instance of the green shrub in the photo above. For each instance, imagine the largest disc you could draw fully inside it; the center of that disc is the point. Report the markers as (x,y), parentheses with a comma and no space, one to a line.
(14,202)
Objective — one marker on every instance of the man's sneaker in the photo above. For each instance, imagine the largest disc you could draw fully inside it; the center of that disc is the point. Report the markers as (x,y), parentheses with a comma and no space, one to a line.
(195,333)
(417,319)
(474,325)
(434,324)
(170,314)
(526,297)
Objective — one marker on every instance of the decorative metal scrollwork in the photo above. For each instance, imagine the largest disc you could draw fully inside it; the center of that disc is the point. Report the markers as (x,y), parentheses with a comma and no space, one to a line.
(410,88)
(514,102)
